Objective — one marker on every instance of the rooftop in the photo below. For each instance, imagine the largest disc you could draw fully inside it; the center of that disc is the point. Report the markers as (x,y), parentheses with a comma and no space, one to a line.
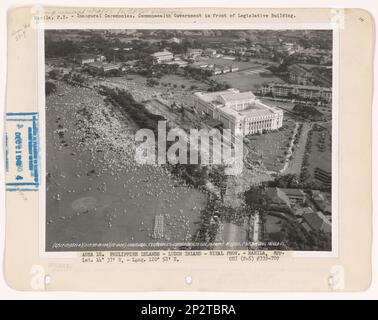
(318,221)
(161,53)
(293,192)
(237,96)
(298,86)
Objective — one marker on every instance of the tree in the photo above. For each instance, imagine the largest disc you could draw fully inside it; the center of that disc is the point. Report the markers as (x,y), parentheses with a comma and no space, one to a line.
(151,82)
(54,74)
(50,87)
(256,199)
(285,181)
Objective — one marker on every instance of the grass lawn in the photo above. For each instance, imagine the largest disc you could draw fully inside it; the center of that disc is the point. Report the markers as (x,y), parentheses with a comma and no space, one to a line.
(248,79)
(270,147)
(180,81)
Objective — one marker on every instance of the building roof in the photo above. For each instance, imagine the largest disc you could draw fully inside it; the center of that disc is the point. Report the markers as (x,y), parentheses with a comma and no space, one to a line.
(293,192)
(299,69)
(194,50)
(259,109)
(302,211)
(161,54)
(318,221)
(232,97)
(277,196)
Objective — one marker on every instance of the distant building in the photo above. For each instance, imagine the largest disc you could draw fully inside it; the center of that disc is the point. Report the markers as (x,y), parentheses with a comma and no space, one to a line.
(194,53)
(217,69)
(226,70)
(229,58)
(179,62)
(175,40)
(300,74)
(85,59)
(291,90)
(241,112)
(210,52)
(103,67)
(316,221)
(100,57)
(89,58)
(325,177)
(301,211)
(309,74)
(162,57)
(288,196)
(321,201)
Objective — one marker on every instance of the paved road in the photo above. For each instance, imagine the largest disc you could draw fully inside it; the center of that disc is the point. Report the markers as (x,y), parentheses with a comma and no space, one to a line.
(295,164)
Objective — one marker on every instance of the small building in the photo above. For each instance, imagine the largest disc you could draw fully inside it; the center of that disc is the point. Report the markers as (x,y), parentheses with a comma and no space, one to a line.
(89,58)
(296,196)
(321,201)
(300,74)
(175,40)
(162,57)
(98,67)
(85,59)
(301,211)
(292,90)
(179,62)
(100,57)
(324,176)
(194,53)
(277,197)
(210,52)
(316,221)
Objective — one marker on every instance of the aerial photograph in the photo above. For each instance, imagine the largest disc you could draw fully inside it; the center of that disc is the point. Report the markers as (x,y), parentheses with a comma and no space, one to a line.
(270,89)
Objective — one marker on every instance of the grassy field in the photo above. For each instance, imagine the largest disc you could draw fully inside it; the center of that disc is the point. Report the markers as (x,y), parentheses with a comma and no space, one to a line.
(248,79)
(270,147)
(182,83)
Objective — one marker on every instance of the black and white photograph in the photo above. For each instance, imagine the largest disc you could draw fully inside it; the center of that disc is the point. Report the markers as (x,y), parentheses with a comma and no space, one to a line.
(139,123)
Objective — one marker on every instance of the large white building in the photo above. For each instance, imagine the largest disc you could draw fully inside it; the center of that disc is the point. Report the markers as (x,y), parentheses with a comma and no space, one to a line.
(239,111)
